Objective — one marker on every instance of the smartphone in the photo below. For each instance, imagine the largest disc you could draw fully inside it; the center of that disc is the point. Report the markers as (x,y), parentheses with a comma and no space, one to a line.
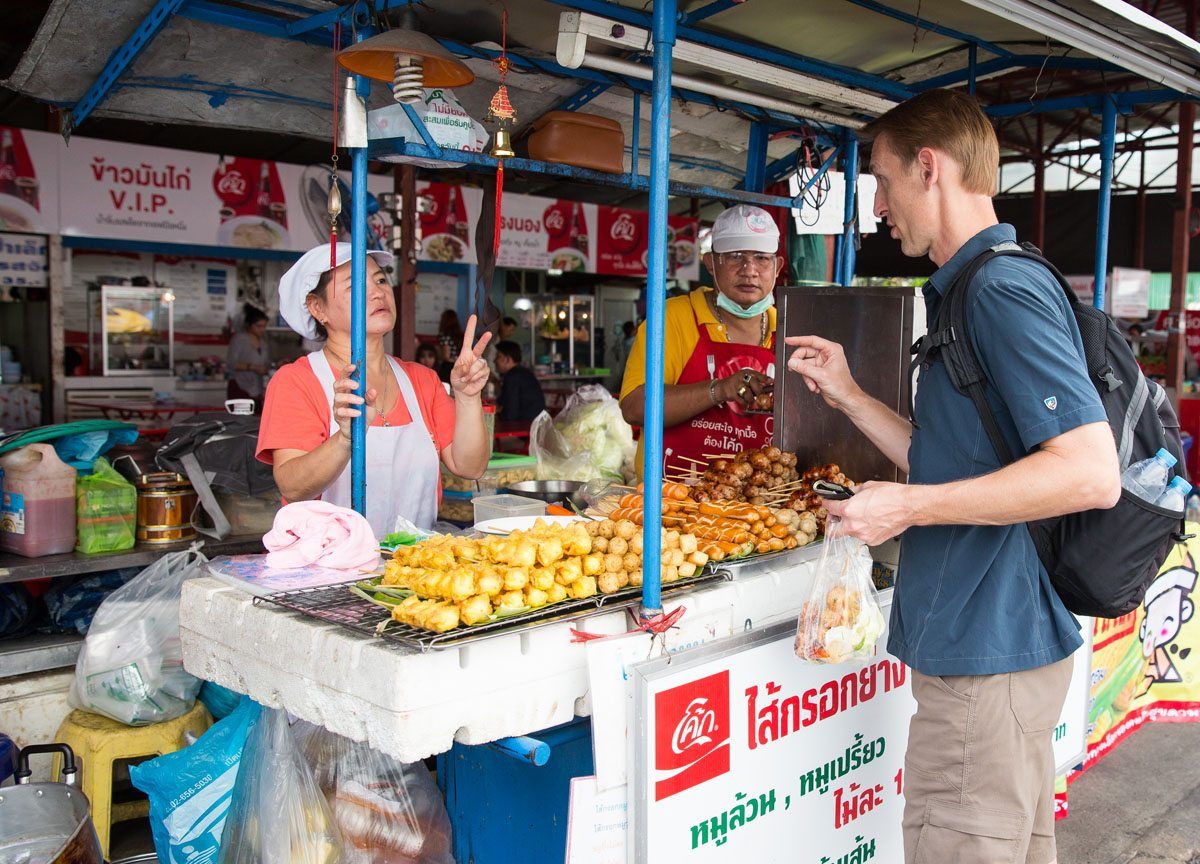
(832,491)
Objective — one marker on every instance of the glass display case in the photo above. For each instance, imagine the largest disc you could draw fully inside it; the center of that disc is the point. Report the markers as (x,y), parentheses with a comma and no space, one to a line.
(564,333)
(137,330)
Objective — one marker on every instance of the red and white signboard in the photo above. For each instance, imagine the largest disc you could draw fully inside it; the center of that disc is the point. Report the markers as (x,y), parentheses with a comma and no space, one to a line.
(28,180)
(747,752)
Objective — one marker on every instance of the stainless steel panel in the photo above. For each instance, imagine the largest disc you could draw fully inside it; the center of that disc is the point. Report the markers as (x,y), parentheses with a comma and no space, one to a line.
(874,326)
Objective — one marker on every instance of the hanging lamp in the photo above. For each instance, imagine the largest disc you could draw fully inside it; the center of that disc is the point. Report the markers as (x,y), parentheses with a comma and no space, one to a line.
(407,58)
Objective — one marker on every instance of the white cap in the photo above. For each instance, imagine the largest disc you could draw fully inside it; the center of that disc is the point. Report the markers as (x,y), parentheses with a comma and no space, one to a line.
(1177,578)
(745,227)
(298,282)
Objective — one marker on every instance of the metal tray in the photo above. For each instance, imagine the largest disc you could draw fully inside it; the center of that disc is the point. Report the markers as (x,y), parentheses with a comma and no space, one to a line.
(335,604)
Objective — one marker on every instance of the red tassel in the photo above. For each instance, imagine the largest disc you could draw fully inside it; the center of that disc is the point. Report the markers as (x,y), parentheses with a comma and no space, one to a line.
(499,195)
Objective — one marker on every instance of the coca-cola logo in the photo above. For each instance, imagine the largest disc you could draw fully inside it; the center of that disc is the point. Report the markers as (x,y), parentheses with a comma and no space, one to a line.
(691,735)
(555,221)
(624,228)
(232,186)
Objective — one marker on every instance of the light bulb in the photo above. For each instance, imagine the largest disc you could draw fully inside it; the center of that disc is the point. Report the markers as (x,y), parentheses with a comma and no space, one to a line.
(408,79)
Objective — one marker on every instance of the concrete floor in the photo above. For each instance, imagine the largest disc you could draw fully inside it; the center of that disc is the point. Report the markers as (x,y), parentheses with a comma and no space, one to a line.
(1140,804)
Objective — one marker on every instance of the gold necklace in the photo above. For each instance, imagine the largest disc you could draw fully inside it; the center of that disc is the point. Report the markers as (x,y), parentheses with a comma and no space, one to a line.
(762,337)
(379,410)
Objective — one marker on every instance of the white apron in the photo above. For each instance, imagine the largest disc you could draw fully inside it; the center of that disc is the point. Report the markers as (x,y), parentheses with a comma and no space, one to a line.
(402,461)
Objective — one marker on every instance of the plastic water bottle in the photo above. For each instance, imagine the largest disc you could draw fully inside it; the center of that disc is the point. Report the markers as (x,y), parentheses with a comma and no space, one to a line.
(1175,498)
(1148,479)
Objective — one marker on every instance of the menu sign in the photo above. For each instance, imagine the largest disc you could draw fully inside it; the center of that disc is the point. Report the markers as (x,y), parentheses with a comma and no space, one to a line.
(28,180)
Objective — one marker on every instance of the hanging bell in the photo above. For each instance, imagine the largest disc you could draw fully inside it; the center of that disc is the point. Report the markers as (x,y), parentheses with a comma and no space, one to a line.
(502,145)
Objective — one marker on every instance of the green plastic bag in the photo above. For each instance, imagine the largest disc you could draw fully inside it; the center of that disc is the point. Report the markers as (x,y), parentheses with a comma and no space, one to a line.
(105,511)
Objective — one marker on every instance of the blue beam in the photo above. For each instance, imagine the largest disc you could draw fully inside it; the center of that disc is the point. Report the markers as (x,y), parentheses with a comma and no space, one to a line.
(926,24)
(656,296)
(1108,139)
(753,50)
(1023,61)
(635,154)
(713,8)
(253,22)
(1124,102)
(972,67)
(756,158)
(582,96)
(380,148)
(122,59)
(846,273)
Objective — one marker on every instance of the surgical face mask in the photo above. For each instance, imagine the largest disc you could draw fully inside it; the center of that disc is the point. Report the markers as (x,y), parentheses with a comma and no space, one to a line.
(739,311)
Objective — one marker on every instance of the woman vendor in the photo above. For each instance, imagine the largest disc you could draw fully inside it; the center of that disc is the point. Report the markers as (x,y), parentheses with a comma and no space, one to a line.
(719,348)
(413,426)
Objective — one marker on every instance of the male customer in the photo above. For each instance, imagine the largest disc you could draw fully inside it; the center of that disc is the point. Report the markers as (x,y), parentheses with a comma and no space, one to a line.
(974,615)
(521,395)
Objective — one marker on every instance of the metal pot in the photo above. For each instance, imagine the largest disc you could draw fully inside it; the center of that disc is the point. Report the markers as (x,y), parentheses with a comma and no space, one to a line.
(563,492)
(47,823)
(166,504)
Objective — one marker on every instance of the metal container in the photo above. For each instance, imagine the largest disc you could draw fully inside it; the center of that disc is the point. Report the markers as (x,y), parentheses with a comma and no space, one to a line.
(166,502)
(47,822)
(564,492)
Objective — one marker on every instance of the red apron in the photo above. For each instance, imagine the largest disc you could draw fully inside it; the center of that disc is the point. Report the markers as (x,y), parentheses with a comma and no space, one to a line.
(723,428)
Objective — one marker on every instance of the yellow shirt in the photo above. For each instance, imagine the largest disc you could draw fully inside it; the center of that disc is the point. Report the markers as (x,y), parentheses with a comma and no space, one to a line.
(680,338)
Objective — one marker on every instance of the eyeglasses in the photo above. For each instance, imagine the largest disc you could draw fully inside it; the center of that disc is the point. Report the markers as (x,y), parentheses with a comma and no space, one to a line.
(759,260)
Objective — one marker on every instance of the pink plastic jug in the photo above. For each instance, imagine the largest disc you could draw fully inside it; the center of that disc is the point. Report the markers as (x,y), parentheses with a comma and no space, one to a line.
(37,505)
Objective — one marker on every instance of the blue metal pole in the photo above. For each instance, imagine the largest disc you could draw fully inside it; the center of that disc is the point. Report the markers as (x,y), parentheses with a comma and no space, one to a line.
(358,310)
(656,294)
(756,158)
(1108,141)
(636,136)
(846,272)
(972,64)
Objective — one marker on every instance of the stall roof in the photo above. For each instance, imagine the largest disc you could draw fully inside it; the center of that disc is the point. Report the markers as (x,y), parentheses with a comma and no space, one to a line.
(196,70)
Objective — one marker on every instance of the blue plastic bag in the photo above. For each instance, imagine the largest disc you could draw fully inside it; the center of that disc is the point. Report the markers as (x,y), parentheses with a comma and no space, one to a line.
(190,790)
(220,701)
(73,605)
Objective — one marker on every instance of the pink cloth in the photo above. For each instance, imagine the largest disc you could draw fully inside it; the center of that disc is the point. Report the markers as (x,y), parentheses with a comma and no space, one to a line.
(316,533)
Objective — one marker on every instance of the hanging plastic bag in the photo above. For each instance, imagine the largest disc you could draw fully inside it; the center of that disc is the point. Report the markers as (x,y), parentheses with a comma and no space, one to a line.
(190,789)
(278,815)
(588,440)
(105,511)
(387,812)
(131,665)
(840,621)
(445,119)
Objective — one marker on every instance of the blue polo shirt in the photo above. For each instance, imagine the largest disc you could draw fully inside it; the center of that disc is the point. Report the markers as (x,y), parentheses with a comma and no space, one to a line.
(975,600)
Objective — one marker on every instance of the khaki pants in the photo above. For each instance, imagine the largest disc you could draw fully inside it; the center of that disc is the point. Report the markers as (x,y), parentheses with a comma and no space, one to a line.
(979,771)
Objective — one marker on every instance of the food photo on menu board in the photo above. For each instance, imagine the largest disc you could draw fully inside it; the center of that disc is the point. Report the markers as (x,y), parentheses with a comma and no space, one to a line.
(253,206)
(567,239)
(20,205)
(444,225)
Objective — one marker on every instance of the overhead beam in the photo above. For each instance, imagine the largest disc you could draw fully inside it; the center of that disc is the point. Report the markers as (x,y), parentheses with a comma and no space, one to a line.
(707,11)
(931,26)
(120,60)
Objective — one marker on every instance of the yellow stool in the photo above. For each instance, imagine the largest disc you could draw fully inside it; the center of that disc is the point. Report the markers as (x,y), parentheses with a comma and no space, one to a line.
(99,743)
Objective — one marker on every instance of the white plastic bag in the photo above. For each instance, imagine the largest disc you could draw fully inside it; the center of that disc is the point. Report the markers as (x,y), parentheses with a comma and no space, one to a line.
(841,620)
(447,121)
(387,812)
(131,665)
(277,815)
(588,440)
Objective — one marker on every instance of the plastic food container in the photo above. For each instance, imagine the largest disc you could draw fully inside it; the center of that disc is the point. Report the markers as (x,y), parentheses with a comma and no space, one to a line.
(37,506)
(500,506)
(503,470)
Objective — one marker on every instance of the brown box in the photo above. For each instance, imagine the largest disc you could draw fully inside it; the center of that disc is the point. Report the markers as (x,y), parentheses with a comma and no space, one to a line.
(582,140)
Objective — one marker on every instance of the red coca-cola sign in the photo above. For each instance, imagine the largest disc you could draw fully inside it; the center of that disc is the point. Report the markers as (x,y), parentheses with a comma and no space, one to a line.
(556,220)
(625,232)
(691,734)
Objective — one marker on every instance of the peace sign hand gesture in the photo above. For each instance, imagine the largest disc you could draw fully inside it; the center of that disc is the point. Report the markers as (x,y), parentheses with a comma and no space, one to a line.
(470,372)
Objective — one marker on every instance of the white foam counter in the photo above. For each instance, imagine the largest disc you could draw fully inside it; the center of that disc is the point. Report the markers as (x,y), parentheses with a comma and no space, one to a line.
(413,705)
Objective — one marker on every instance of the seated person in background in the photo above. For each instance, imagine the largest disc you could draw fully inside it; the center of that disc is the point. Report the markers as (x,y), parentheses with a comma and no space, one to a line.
(427,355)
(520,393)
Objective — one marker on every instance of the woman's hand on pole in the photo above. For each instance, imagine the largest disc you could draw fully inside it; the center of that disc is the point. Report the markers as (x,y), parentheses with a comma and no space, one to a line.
(346,402)
(470,372)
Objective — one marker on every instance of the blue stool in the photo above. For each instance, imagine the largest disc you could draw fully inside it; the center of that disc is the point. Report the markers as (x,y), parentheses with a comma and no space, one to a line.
(8,757)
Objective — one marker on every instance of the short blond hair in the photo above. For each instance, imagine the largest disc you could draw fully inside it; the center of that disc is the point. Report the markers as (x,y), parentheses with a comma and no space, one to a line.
(948,121)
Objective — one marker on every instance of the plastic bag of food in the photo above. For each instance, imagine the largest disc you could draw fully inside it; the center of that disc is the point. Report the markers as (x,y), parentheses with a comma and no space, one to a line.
(841,620)
(131,665)
(190,789)
(277,815)
(105,511)
(387,812)
(588,440)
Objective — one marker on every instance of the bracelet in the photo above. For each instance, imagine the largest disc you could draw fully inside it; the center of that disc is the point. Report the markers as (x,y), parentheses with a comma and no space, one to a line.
(712,391)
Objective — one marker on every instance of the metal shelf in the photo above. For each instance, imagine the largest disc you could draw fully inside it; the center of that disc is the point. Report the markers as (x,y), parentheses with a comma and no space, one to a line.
(38,653)
(15,568)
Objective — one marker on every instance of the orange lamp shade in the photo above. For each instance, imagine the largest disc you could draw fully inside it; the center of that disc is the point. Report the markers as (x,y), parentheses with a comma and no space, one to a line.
(376,58)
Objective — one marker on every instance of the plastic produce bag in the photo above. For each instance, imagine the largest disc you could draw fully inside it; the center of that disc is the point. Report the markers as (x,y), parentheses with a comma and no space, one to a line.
(387,812)
(840,621)
(190,789)
(105,511)
(445,119)
(588,440)
(278,815)
(131,665)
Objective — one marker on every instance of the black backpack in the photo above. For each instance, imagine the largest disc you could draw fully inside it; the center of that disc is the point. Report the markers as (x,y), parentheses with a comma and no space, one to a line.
(1100,561)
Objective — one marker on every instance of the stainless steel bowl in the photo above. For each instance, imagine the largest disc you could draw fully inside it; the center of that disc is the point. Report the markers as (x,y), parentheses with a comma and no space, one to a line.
(562,492)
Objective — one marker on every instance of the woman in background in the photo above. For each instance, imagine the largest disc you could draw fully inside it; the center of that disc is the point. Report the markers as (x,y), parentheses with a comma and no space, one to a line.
(249,358)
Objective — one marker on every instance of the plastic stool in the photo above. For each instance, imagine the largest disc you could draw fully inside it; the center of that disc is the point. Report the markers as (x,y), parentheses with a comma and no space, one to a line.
(99,743)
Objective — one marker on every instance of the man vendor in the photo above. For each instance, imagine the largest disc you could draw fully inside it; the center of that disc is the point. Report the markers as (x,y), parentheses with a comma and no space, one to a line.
(719,347)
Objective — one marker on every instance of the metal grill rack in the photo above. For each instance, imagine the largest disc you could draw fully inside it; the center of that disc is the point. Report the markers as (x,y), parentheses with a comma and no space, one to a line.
(336,604)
